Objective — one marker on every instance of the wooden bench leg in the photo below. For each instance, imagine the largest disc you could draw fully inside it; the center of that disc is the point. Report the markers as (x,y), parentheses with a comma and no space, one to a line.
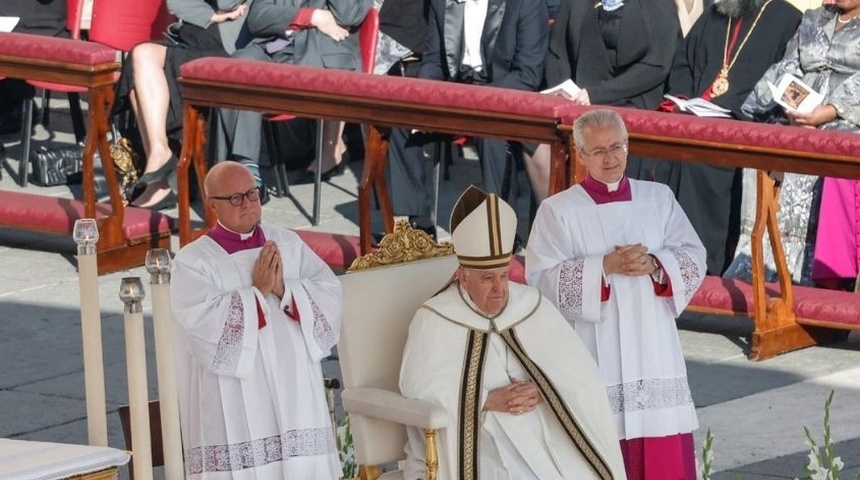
(776,327)
(193,137)
(373,176)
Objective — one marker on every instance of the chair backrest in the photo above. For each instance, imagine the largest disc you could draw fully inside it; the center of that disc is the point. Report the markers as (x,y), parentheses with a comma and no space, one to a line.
(74,15)
(122,24)
(379,304)
(368,39)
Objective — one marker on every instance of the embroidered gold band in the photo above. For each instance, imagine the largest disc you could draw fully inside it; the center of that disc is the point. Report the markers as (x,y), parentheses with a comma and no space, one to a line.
(559,408)
(470,408)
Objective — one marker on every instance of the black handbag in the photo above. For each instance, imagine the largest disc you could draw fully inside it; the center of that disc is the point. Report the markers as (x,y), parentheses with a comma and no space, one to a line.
(57,166)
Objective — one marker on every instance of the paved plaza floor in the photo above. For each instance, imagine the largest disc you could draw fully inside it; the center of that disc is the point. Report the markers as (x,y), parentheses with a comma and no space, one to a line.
(756,411)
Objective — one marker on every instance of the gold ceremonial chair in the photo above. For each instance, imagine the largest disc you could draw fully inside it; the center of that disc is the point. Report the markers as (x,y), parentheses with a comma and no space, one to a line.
(381,292)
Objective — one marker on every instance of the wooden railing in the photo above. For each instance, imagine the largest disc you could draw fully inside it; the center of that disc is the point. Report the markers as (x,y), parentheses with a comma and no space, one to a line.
(383,102)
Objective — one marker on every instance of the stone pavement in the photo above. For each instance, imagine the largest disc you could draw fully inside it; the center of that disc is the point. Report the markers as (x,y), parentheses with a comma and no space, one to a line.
(756,411)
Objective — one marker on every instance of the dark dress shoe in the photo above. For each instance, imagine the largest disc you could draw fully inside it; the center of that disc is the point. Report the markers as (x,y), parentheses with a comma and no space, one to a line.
(308,176)
(304,178)
(334,171)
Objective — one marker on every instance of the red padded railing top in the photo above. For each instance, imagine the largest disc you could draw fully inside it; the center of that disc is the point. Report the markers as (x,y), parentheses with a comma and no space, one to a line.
(55,49)
(730,132)
(379,88)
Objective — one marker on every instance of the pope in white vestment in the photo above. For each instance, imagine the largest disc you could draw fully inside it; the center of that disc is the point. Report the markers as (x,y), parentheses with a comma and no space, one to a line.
(252,401)
(460,351)
(626,319)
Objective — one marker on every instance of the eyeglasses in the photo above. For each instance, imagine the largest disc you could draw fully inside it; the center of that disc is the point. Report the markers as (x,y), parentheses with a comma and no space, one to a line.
(616,151)
(239,198)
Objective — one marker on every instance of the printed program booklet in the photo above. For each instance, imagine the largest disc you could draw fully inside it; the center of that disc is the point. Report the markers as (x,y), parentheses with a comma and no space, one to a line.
(700,107)
(566,89)
(7,24)
(793,94)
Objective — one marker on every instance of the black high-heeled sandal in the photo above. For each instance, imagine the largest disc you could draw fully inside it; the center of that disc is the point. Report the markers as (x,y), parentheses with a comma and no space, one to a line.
(158,175)
(169,201)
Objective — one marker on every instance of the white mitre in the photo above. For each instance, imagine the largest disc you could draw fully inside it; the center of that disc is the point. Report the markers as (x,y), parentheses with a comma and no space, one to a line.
(483,227)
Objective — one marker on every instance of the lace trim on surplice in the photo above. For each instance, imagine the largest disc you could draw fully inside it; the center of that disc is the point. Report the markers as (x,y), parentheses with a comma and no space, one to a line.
(689,272)
(323,333)
(570,288)
(649,394)
(259,452)
(230,343)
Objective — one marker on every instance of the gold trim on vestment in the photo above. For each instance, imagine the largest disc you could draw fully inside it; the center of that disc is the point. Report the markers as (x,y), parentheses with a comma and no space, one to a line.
(559,409)
(485,263)
(470,406)
(494,230)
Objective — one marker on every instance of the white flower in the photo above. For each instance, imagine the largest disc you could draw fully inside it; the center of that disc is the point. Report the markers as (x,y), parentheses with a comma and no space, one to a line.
(837,464)
(820,474)
(812,464)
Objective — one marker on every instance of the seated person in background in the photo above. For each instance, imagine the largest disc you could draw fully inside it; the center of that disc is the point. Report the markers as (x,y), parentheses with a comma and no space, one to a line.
(523,397)
(320,33)
(256,311)
(618,53)
(725,53)
(621,261)
(402,33)
(469,42)
(824,55)
(45,17)
(148,84)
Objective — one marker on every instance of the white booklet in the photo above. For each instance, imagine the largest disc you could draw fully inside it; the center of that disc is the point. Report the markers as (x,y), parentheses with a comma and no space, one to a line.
(793,94)
(8,23)
(700,107)
(566,89)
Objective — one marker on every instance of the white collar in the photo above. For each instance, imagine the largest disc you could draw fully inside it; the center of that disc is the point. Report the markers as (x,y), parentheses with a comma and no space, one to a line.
(242,236)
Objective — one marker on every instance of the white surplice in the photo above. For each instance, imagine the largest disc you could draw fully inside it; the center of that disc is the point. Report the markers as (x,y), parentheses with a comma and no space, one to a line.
(252,400)
(633,335)
(447,335)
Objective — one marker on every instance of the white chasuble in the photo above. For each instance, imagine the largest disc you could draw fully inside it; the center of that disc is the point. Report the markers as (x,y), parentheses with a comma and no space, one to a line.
(454,357)
(633,335)
(252,401)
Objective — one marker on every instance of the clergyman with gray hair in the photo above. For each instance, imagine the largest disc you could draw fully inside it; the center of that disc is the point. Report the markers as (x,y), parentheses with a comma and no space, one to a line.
(620,260)
(728,49)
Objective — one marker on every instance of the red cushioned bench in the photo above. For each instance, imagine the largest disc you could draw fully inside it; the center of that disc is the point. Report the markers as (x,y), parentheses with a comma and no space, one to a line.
(786,317)
(375,100)
(124,233)
(54,215)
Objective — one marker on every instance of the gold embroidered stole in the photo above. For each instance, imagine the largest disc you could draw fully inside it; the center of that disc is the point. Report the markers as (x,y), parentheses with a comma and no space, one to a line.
(470,406)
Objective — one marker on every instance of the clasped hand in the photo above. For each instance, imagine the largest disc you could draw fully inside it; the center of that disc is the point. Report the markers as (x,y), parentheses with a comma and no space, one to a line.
(221,17)
(268,274)
(325,22)
(630,260)
(519,397)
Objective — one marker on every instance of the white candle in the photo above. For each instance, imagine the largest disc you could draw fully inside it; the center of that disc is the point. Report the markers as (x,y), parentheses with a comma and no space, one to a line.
(131,292)
(86,235)
(158,265)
